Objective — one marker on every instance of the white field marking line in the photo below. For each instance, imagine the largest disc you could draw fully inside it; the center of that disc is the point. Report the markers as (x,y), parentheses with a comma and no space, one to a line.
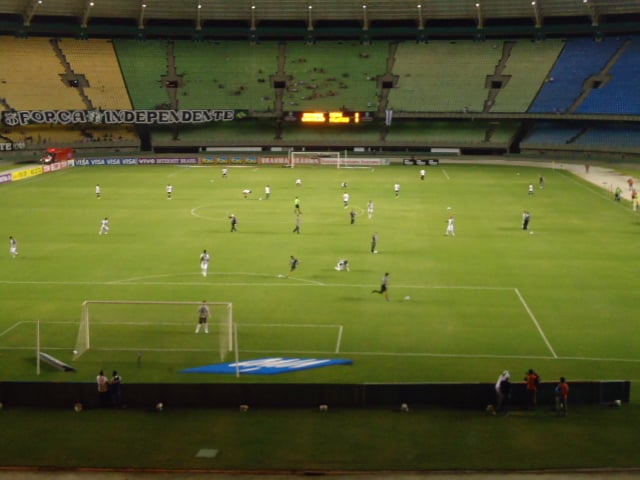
(535,322)
(294,325)
(15,325)
(135,280)
(444,172)
(598,191)
(339,340)
(194,213)
(490,356)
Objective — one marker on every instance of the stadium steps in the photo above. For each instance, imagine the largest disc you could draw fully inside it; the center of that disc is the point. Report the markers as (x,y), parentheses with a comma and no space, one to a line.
(70,76)
(603,77)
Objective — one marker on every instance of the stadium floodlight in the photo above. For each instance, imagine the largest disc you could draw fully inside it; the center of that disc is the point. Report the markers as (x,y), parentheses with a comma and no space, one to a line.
(153,326)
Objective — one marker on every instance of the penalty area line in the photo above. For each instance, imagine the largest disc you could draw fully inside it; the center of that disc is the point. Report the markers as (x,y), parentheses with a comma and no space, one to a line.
(535,322)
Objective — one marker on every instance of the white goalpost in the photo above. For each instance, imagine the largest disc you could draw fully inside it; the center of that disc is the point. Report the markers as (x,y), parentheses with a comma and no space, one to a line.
(160,326)
(301,157)
(339,159)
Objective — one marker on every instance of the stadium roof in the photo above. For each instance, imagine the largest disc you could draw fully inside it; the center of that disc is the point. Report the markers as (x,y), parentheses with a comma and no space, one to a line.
(253,13)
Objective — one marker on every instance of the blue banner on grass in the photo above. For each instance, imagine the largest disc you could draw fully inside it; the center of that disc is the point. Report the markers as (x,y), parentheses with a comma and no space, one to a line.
(269,366)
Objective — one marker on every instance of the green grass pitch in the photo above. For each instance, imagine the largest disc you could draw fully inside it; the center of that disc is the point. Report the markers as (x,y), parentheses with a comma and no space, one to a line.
(560,298)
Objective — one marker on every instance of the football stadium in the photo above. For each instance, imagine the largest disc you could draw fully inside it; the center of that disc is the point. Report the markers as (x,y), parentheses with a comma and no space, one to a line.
(285,237)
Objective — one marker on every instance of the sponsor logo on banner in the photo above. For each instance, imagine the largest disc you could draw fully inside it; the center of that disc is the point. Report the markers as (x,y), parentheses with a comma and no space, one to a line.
(269,366)
(5,178)
(26,173)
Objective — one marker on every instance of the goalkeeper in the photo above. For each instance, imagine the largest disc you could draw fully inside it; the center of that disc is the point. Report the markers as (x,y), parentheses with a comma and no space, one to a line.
(203,317)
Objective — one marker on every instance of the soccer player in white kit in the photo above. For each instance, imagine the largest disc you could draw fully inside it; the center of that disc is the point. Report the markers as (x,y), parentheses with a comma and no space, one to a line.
(104,226)
(204,262)
(451,227)
(370,209)
(98,191)
(169,191)
(345,199)
(13,247)
(396,189)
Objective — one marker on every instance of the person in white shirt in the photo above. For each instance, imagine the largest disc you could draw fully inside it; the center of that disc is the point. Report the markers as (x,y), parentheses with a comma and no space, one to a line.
(169,191)
(451,227)
(267,192)
(246,192)
(104,226)
(423,173)
(13,247)
(98,191)
(370,209)
(345,199)
(343,265)
(396,189)
(204,262)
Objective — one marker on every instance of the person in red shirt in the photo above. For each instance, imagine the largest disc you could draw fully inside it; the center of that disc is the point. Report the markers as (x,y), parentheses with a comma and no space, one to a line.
(533,382)
(562,396)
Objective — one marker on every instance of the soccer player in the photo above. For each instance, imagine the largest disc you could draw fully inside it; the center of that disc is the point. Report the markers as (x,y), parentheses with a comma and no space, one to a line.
(203,317)
(296,205)
(225,172)
(526,218)
(353,214)
(246,192)
(104,226)
(423,174)
(343,265)
(204,262)
(451,227)
(396,189)
(98,191)
(531,192)
(298,182)
(370,209)
(384,287)
(298,222)
(13,247)
(374,242)
(293,264)
(169,191)
(234,222)
(345,199)
(267,192)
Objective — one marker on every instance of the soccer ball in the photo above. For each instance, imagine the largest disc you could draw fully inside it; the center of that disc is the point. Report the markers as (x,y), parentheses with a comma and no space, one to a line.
(260,198)
(159,406)
(77,407)
(407,298)
(404,408)
(244,408)
(617,403)
(75,352)
(323,407)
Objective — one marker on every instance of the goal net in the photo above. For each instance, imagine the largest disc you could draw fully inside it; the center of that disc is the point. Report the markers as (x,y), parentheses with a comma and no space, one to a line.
(153,326)
(314,158)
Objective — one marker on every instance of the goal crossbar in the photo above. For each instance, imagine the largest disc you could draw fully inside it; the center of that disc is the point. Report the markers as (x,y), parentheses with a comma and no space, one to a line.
(147,314)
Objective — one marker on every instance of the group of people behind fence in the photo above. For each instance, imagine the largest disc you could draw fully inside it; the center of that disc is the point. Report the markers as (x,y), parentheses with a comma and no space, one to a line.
(532,386)
(109,390)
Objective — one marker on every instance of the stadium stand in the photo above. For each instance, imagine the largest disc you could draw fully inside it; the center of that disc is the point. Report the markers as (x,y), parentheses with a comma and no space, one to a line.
(527,67)
(97,62)
(34,80)
(550,134)
(581,58)
(228,75)
(443,76)
(621,94)
(144,64)
(601,136)
(334,75)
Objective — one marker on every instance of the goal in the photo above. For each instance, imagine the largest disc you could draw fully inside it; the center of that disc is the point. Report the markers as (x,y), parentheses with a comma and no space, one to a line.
(141,326)
(297,157)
